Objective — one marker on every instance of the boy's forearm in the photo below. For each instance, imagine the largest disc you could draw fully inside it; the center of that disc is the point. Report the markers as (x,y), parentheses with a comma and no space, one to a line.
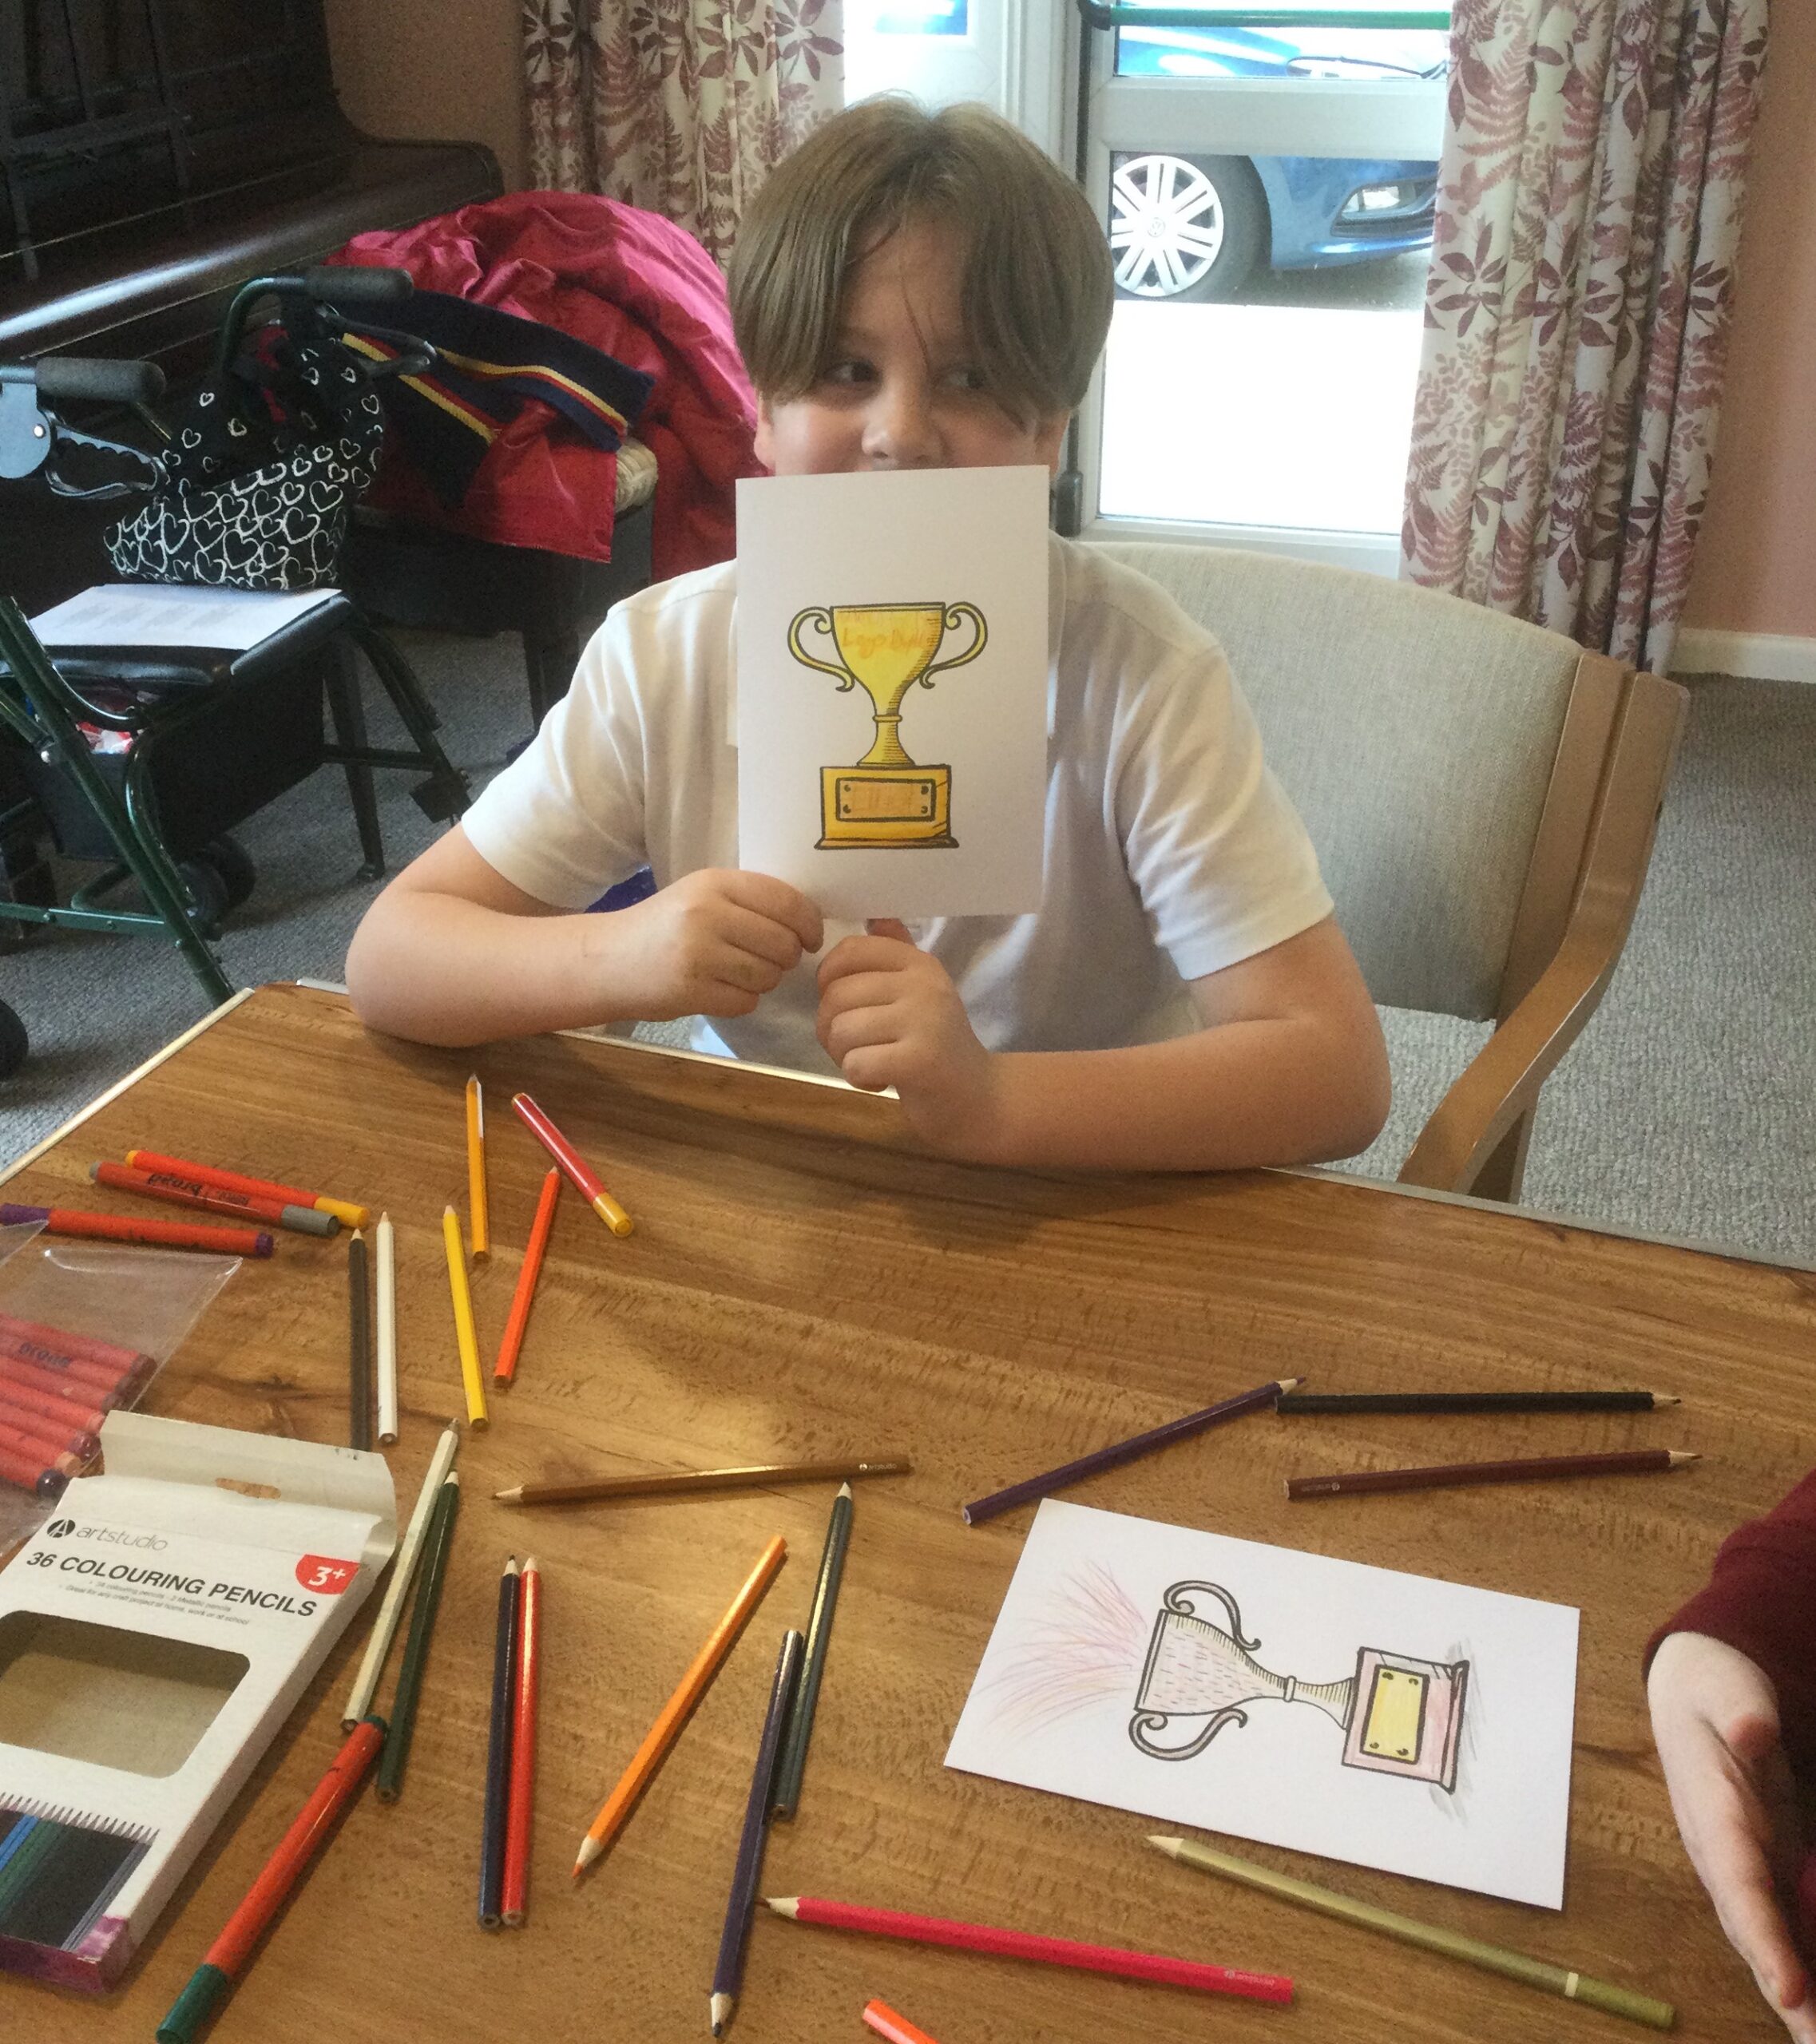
(438,969)
(1240,1093)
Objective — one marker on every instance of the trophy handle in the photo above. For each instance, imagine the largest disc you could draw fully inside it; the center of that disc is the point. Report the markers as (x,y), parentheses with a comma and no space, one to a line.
(1144,1721)
(1178,1599)
(818,614)
(954,612)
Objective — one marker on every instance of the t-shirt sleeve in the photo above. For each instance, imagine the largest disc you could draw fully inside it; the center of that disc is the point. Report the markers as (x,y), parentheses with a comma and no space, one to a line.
(1223,865)
(564,820)
(1760,1600)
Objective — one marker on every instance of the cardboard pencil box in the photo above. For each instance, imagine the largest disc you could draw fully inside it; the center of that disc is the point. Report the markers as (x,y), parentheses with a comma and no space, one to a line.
(155,1632)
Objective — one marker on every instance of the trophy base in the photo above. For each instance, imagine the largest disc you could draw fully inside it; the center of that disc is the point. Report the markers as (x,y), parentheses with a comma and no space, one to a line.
(1408,1718)
(885,808)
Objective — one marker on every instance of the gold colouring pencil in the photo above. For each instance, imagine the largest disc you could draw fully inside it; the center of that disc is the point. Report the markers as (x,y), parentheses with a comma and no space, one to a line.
(464,1334)
(481,1227)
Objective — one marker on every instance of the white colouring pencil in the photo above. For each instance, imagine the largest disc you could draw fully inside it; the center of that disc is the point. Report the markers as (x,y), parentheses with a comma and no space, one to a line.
(403,1567)
(387,1332)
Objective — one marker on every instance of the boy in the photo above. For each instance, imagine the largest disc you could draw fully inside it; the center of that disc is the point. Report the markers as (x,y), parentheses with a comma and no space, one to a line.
(916,291)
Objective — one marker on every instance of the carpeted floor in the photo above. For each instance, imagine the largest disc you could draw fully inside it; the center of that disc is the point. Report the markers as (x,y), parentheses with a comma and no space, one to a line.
(1688,1109)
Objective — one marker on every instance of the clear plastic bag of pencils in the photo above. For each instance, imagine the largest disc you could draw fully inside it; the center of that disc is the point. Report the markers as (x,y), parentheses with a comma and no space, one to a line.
(84,1327)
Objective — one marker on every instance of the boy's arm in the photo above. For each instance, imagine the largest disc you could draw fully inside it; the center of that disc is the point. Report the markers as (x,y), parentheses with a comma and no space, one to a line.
(1289,1068)
(453,952)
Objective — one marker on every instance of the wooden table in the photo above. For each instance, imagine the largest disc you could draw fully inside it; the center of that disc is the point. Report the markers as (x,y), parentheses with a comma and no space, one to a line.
(801,1286)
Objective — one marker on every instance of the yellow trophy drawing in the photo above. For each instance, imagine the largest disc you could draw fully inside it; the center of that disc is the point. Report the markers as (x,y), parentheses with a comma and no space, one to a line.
(886,802)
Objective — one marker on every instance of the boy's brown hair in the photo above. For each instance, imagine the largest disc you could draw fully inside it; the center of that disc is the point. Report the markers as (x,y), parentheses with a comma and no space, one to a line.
(1037,287)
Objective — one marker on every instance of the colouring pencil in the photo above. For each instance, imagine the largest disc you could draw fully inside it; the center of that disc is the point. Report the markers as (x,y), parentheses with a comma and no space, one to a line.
(1623,1462)
(586,1180)
(34,1472)
(416,1647)
(1031,1488)
(728,1973)
(505,1369)
(480,1223)
(386,1264)
(403,1569)
(1536,1972)
(345,1211)
(516,1897)
(806,1693)
(70,1410)
(58,1428)
(1337,1402)
(230,1953)
(464,1334)
(499,1750)
(63,1345)
(896,2029)
(760,1476)
(214,1199)
(674,1713)
(1021,1944)
(358,1346)
(130,1228)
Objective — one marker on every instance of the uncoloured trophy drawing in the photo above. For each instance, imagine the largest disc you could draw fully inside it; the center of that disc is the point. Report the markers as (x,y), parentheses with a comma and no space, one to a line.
(886,802)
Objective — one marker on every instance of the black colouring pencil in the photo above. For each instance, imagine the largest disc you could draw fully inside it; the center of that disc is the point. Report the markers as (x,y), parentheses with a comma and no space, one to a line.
(359,1346)
(1335,1402)
(499,1750)
(1031,1488)
(416,1646)
(793,1762)
(727,1975)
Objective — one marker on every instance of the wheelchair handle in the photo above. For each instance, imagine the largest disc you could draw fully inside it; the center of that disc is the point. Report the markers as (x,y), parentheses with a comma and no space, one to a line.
(349,287)
(79,377)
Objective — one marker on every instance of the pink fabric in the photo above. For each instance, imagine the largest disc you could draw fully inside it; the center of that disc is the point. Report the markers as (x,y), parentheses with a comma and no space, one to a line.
(634,286)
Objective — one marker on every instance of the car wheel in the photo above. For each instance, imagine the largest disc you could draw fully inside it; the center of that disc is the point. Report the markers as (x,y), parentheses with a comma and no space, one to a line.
(1190,229)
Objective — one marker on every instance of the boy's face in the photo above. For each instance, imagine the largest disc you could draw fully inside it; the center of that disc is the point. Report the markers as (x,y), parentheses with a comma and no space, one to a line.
(902,390)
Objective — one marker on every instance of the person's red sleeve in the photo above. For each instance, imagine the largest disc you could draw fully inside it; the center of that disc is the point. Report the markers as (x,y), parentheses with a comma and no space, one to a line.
(1760,1600)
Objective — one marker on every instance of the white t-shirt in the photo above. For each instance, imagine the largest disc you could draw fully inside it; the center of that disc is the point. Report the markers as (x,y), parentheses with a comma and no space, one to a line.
(1171,850)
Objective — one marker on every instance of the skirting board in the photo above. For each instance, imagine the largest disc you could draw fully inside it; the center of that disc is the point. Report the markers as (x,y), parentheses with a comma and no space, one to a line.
(1759,656)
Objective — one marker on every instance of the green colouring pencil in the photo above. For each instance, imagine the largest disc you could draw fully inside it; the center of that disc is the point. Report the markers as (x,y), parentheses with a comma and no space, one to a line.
(416,1647)
(793,1762)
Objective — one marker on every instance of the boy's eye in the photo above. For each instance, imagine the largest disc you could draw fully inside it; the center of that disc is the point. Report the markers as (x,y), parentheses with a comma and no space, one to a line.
(965,376)
(851,370)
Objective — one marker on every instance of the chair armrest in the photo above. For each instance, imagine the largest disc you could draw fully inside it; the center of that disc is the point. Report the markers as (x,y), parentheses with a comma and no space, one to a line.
(1502,1083)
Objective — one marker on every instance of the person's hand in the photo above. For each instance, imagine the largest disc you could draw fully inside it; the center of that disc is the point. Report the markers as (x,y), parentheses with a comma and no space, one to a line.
(890,1016)
(1715,1722)
(712,943)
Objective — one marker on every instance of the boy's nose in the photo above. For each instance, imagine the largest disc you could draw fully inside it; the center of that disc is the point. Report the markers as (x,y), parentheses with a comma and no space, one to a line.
(901,431)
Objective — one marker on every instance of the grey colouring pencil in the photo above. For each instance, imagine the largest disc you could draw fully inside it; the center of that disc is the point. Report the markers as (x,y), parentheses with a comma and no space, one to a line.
(794,1760)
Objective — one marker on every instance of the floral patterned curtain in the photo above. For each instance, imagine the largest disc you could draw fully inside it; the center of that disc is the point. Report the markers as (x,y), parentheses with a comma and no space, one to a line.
(1576,314)
(680,106)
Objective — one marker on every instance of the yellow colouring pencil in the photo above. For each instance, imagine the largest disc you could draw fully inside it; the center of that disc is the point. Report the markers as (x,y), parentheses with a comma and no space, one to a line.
(468,1341)
(476,1169)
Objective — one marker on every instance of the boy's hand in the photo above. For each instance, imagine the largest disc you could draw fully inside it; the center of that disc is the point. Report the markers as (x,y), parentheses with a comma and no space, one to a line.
(713,943)
(890,1016)
(1715,1721)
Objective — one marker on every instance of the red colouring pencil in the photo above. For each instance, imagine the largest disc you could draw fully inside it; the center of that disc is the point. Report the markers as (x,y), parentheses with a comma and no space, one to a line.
(50,1369)
(131,1228)
(27,1434)
(48,1454)
(347,1211)
(66,1410)
(1623,1462)
(586,1180)
(518,1809)
(505,1369)
(31,1472)
(228,1957)
(884,2020)
(1021,1944)
(214,1198)
(62,1342)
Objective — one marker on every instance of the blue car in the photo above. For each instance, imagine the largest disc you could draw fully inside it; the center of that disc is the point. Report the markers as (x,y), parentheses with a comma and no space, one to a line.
(1195,228)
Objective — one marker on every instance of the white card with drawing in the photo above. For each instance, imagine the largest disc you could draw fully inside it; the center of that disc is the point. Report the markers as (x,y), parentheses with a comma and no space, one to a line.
(1394,1720)
(891,718)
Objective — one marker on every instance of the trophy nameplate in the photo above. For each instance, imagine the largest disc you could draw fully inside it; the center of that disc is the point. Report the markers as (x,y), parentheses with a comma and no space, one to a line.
(886,802)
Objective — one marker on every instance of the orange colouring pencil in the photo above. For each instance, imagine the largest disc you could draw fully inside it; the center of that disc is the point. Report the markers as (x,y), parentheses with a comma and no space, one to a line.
(346,1211)
(674,1714)
(231,1953)
(515,1891)
(881,2018)
(505,1369)
(586,1181)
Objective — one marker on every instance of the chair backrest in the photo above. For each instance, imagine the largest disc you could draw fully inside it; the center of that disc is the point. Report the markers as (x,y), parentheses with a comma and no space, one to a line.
(1416,733)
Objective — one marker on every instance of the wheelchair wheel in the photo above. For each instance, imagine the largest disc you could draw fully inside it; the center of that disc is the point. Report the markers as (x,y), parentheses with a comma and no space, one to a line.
(233,864)
(12,1043)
